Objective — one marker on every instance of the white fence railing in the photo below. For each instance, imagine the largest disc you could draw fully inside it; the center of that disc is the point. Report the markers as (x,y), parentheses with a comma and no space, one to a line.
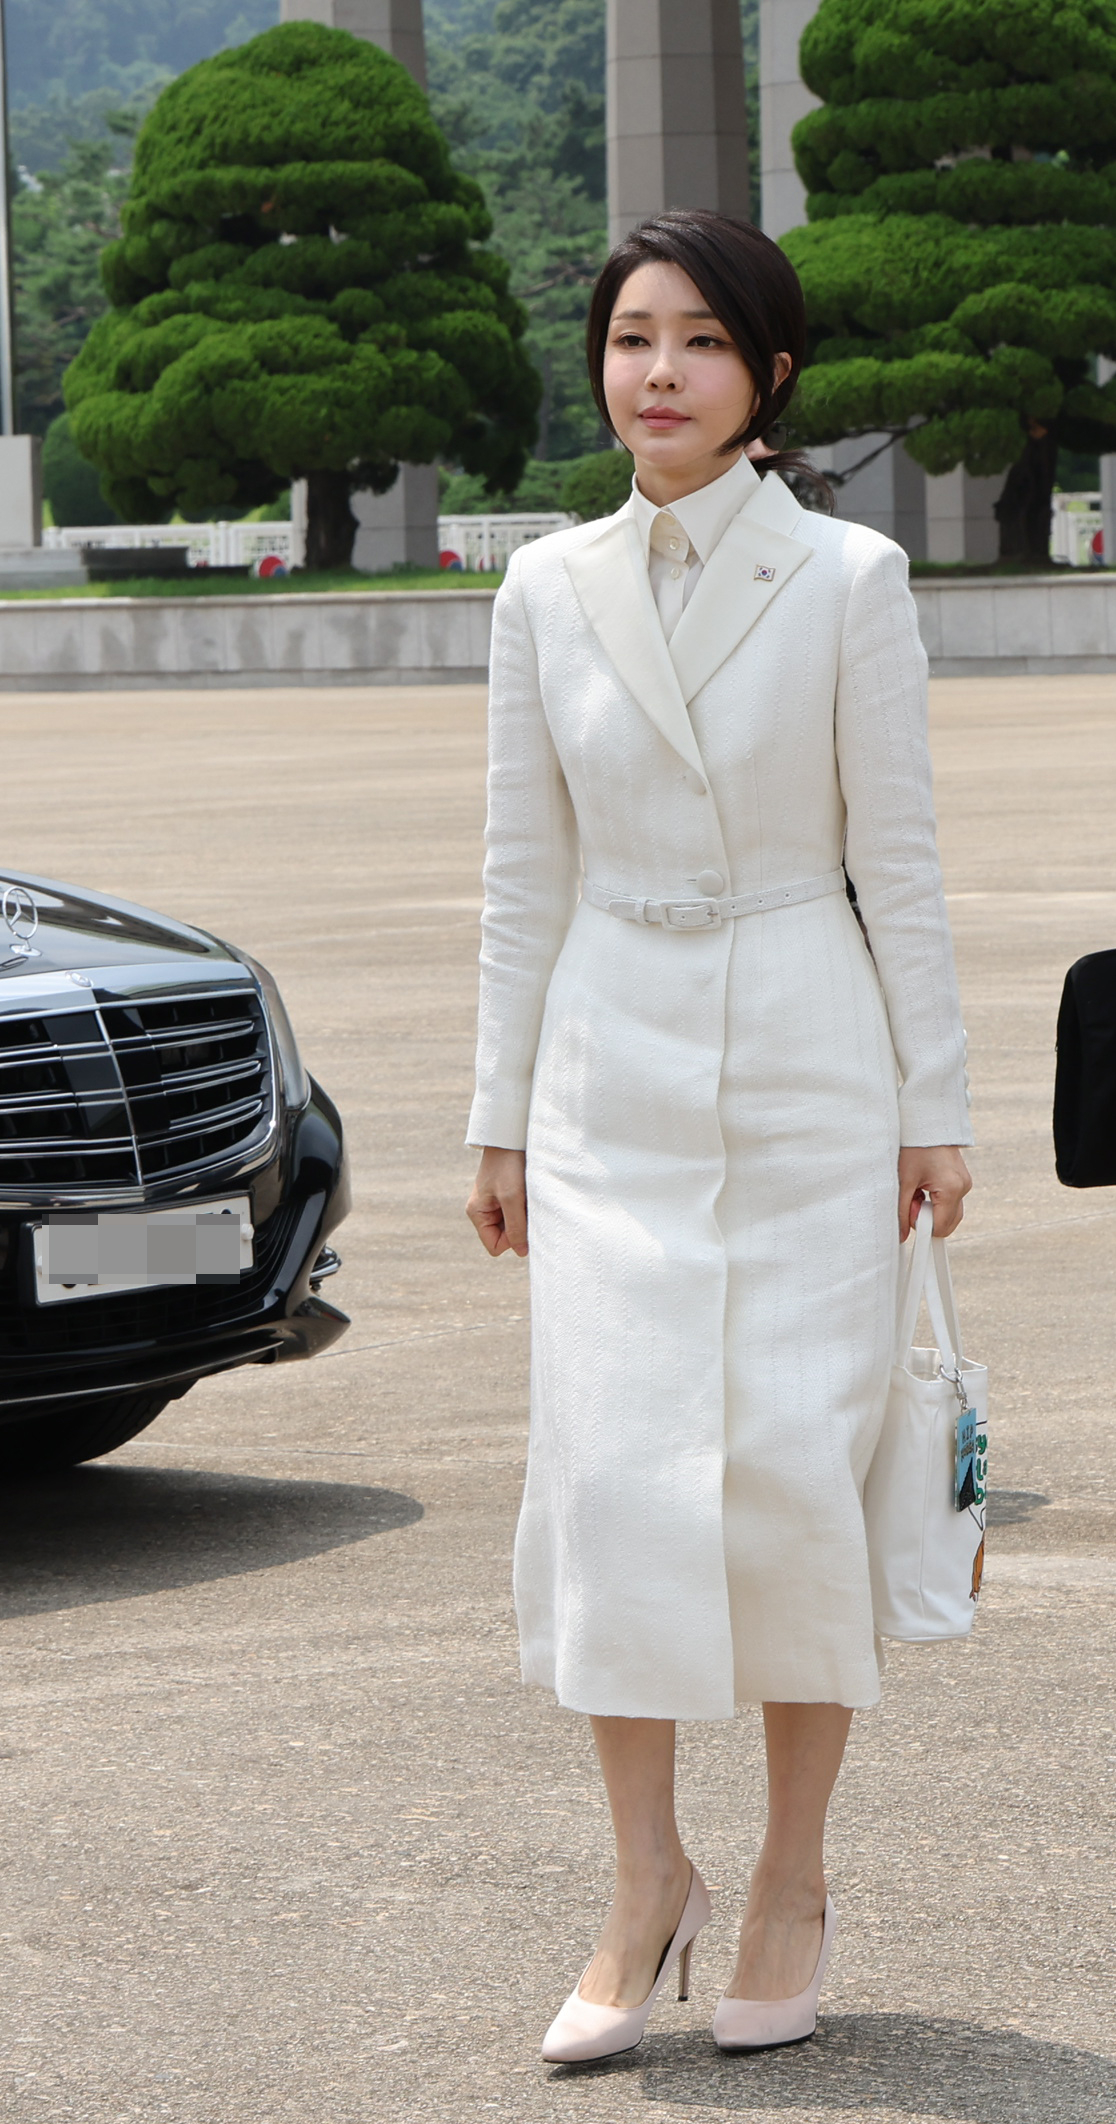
(211,545)
(488,542)
(483,543)
(1077,530)
(477,543)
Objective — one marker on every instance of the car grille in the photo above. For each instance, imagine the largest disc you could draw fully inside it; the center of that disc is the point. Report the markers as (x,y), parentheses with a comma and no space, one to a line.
(121,1094)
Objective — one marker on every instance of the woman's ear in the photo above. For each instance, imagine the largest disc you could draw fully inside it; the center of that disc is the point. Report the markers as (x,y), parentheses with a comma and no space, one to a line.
(783,367)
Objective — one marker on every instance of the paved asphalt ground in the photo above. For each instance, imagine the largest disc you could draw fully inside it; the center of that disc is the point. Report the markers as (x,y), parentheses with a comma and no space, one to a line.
(284,1840)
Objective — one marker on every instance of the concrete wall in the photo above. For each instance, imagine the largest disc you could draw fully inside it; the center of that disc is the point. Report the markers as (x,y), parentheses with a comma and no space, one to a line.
(995,628)
(414,637)
(382,637)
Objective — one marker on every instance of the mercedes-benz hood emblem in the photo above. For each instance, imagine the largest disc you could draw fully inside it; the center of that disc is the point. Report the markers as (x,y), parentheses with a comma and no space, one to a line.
(20,917)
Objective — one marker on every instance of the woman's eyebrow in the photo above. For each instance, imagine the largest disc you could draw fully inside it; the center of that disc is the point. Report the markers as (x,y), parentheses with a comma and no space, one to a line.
(618,314)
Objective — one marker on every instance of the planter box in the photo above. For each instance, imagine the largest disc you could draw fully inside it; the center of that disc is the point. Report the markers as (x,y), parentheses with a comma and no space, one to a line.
(980,626)
(999,626)
(347,638)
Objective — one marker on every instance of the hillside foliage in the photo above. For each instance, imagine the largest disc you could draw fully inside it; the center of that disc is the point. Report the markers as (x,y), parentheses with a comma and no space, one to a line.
(74,47)
(60,230)
(518,86)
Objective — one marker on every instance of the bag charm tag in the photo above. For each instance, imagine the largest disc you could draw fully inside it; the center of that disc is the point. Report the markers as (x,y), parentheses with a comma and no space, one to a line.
(970,1459)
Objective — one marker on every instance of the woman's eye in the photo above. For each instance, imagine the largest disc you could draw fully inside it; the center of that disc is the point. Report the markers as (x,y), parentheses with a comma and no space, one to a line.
(705,339)
(631,339)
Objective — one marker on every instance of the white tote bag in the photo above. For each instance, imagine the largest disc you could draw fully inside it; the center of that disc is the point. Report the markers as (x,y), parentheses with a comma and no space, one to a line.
(926,1554)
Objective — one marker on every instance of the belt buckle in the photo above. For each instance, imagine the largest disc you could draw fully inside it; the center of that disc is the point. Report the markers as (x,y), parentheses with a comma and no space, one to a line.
(691,914)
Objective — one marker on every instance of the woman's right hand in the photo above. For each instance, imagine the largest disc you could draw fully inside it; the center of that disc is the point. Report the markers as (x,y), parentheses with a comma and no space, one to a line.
(498,1203)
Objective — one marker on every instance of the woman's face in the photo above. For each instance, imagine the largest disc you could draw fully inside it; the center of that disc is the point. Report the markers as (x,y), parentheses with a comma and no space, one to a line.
(676,385)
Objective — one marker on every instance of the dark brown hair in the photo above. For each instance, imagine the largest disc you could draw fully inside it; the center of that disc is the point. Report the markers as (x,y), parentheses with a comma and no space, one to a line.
(753,291)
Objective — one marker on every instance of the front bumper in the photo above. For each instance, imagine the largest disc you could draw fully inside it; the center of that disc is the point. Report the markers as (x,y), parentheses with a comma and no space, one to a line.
(61,1356)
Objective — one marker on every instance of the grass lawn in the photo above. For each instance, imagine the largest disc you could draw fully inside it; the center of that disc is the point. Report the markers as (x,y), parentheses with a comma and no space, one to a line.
(199,583)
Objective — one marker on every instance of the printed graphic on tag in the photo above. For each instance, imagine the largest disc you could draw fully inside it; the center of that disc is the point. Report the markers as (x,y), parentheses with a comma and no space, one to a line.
(763,573)
(964,1464)
(980,1468)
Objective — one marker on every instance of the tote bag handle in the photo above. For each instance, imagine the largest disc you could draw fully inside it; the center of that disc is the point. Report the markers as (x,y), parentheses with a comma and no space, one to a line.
(926,1270)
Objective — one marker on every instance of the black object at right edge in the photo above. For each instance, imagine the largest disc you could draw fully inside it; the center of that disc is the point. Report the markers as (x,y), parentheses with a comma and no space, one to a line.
(1085,1080)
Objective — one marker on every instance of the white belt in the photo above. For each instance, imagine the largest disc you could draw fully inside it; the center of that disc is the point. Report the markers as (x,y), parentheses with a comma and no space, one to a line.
(709,914)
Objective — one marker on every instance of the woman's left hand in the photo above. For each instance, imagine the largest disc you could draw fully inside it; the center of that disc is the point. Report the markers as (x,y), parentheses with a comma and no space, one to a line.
(940,1172)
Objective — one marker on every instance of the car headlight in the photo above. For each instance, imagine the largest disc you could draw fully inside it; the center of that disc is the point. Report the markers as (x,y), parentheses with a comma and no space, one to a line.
(296,1083)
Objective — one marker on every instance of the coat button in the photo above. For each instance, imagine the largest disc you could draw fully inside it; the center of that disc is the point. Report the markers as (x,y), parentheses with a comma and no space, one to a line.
(694,781)
(710,882)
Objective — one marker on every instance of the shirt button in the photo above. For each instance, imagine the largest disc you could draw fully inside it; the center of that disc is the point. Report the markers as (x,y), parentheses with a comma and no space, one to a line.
(710,882)
(674,545)
(676,572)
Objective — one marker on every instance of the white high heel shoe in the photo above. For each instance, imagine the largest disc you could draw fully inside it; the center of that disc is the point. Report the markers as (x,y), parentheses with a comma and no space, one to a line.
(581,2031)
(765,2024)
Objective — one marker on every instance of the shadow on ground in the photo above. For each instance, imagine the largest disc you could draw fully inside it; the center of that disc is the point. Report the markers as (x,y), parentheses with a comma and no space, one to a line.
(1012,1508)
(862,2064)
(104,1532)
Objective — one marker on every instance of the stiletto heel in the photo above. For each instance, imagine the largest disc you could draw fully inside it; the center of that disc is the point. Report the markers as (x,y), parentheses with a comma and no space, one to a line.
(581,2031)
(765,2024)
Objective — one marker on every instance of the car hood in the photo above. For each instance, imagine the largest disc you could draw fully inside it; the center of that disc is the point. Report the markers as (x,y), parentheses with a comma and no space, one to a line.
(87,930)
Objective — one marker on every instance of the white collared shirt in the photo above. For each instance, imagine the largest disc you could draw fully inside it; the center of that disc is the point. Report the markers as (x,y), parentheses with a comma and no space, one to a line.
(678,541)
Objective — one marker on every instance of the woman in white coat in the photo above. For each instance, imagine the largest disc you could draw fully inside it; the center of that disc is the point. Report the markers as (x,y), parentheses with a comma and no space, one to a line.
(710,1096)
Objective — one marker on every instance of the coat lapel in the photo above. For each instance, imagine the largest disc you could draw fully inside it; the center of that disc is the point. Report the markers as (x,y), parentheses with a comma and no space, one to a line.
(732,593)
(614,592)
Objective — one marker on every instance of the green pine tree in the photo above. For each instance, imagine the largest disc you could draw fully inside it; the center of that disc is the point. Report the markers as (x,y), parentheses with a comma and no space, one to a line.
(300,291)
(960,257)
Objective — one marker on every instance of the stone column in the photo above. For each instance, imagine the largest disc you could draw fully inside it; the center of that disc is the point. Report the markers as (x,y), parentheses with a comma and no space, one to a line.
(400,527)
(1106,370)
(1108,507)
(21,491)
(394,24)
(947,519)
(677,119)
(960,525)
(887,494)
(784,99)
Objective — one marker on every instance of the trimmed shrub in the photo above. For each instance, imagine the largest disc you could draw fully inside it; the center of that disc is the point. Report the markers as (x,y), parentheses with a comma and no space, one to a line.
(960,258)
(300,291)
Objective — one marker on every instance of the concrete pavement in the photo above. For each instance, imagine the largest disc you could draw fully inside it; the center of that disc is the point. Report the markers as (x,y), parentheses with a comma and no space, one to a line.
(284,1842)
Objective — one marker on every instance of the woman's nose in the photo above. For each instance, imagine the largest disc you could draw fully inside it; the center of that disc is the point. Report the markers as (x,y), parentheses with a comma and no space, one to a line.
(661,375)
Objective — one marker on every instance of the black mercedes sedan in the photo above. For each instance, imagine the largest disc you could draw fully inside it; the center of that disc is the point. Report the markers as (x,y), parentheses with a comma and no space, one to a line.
(169,1173)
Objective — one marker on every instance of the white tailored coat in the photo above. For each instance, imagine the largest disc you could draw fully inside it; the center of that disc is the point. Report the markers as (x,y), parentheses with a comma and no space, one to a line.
(711,1116)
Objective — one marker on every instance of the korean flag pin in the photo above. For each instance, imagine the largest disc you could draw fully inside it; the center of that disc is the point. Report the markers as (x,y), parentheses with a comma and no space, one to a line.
(763,573)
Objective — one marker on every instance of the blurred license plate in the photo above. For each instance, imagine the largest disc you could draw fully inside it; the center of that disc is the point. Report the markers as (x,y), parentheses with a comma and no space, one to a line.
(88,1255)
